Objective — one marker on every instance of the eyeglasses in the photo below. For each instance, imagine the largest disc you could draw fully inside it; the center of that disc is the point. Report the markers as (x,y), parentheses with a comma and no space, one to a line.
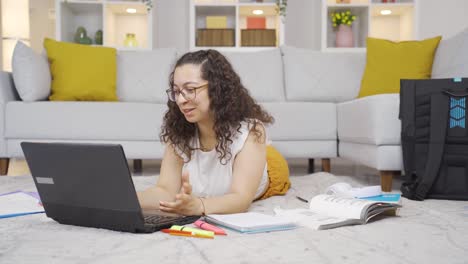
(189,93)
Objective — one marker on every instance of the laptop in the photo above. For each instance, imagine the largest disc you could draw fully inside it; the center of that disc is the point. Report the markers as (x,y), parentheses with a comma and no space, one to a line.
(90,185)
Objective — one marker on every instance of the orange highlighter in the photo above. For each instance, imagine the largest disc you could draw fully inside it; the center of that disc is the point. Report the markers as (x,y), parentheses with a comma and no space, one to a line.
(184,233)
(205,226)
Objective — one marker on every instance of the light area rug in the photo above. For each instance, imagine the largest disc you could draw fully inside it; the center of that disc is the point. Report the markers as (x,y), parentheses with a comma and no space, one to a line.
(433,231)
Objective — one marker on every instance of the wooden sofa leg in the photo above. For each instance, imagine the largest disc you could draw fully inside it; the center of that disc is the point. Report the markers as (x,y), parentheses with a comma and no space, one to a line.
(137,165)
(326,165)
(4,162)
(386,179)
(311,166)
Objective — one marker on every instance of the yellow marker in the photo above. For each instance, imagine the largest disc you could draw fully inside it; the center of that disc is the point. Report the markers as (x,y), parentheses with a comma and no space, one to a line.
(193,230)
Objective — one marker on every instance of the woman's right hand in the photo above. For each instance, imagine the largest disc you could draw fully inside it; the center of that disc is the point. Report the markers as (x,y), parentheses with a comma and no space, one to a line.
(185,203)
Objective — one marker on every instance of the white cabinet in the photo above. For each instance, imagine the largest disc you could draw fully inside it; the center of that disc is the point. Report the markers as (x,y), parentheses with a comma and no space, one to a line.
(115,18)
(235,24)
(387,19)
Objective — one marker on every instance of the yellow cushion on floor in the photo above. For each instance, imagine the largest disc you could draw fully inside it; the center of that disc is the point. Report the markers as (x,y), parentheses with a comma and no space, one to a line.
(278,173)
(81,72)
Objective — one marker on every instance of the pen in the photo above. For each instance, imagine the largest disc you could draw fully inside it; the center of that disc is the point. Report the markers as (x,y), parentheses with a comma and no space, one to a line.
(168,231)
(184,233)
(302,199)
(194,230)
(204,225)
(190,235)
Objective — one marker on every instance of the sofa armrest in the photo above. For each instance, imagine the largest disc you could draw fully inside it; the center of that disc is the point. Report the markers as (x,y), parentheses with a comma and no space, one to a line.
(370,120)
(7,93)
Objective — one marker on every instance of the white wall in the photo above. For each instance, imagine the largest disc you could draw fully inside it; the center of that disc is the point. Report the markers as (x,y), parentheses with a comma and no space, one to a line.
(407,33)
(302,24)
(302,28)
(441,17)
(381,29)
(41,25)
(1,42)
(171,24)
(436,17)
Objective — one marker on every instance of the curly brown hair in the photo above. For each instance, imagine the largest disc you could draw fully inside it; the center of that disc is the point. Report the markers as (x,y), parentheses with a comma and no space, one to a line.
(230,103)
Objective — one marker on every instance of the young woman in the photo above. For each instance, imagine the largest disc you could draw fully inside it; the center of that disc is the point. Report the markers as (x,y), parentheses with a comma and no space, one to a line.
(216,159)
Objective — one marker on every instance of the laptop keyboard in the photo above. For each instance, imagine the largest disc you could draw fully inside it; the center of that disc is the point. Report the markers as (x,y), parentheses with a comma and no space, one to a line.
(160,219)
(156,222)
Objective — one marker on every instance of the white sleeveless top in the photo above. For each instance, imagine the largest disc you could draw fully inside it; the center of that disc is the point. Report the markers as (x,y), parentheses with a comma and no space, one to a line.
(208,176)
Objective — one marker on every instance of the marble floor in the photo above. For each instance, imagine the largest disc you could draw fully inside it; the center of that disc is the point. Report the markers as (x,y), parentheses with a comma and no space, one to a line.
(298,168)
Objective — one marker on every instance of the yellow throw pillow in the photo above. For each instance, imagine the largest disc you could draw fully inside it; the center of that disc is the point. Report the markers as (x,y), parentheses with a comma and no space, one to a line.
(81,72)
(278,173)
(388,62)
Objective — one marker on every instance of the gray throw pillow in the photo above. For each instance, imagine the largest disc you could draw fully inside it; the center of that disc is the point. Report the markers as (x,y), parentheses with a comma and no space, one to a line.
(451,58)
(31,73)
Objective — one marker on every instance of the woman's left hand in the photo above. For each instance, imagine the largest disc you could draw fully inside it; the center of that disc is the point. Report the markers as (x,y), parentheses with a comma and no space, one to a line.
(185,203)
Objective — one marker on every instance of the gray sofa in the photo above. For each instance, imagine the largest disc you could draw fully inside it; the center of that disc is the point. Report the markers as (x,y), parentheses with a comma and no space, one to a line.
(311,94)
(305,124)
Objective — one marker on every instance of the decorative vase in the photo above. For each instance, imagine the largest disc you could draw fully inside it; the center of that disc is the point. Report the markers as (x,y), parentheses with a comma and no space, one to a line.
(130,40)
(344,37)
(81,36)
(98,37)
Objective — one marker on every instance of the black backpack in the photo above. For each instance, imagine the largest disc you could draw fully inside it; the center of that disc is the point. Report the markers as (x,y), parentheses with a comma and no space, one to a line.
(434,138)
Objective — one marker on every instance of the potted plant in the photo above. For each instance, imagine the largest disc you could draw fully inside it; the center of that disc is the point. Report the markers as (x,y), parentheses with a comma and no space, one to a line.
(281,6)
(148,3)
(343,20)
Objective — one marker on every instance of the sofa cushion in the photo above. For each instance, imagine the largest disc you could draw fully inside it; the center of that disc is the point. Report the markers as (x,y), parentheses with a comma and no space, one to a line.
(451,59)
(31,73)
(296,121)
(143,76)
(84,120)
(388,62)
(81,72)
(370,120)
(261,73)
(322,77)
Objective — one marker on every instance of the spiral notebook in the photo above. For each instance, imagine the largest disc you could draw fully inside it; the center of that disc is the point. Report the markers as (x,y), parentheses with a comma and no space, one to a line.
(251,222)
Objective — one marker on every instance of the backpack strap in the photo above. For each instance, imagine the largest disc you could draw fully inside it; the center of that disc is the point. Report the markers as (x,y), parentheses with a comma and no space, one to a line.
(438,131)
(407,117)
(407,108)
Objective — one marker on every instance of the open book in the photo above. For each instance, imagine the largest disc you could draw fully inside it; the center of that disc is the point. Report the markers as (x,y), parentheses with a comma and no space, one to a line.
(251,222)
(330,211)
(19,203)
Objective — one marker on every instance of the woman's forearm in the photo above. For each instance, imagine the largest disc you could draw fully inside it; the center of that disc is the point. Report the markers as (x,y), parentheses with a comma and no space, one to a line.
(227,204)
(149,198)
